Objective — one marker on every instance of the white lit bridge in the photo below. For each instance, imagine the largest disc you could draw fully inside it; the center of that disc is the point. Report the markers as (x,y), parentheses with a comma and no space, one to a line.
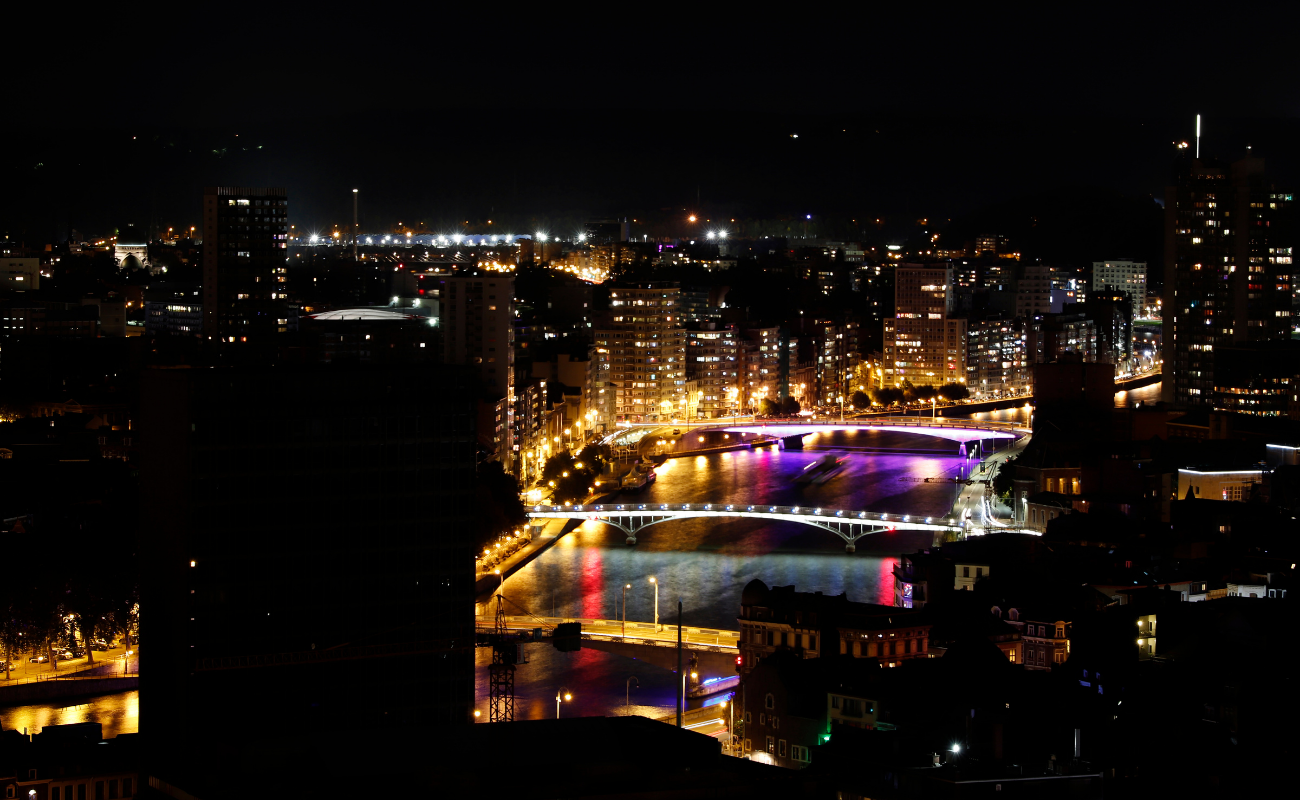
(631,518)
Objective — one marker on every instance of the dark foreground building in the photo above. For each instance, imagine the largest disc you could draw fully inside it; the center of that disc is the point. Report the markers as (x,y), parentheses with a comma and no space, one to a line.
(306,547)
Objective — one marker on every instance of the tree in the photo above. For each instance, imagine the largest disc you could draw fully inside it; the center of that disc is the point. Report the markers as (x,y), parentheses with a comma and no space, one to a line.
(952,392)
(925,393)
(497,496)
(769,407)
(1003,478)
(859,399)
(889,396)
(569,477)
(790,406)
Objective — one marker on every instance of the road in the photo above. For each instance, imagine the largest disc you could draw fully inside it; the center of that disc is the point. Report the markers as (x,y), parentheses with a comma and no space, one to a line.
(972,499)
(636,631)
(26,671)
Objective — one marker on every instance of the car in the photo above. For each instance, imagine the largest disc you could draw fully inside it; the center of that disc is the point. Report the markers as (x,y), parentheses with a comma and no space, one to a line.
(40,659)
(97,645)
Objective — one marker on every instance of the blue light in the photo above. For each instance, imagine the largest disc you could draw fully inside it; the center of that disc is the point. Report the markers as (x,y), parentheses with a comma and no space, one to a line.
(710,680)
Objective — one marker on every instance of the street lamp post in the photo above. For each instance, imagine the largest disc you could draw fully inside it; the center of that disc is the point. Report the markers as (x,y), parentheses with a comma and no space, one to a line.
(934,405)
(567,698)
(656,583)
(627,695)
(626,586)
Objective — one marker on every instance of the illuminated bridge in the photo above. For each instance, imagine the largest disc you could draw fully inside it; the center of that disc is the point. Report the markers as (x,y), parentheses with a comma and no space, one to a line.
(953,430)
(850,526)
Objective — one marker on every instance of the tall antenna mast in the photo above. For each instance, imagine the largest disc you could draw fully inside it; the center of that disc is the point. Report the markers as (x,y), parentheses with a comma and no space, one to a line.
(354,225)
(1198,135)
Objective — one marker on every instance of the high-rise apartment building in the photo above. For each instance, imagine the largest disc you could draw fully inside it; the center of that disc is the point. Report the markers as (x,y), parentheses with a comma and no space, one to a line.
(998,361)
(646,345)
(922,344)
(760,374)
(1226,227)
(476,315)
(1121,275)
(245,247)
(713,369)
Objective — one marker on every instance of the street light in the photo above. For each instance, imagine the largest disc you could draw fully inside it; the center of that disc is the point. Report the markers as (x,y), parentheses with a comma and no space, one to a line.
(656,584)
(567,698)
(627,695)
(626,586)
(731,727)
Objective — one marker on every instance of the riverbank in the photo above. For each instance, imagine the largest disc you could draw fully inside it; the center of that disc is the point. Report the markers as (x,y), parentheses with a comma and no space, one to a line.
(67,687)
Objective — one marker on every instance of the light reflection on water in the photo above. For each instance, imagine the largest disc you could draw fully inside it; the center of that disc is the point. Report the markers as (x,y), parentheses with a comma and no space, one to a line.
(118,713)
(707,562)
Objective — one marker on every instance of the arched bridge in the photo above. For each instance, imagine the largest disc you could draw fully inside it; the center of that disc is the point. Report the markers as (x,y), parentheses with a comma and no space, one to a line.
(850,526)
(953,430)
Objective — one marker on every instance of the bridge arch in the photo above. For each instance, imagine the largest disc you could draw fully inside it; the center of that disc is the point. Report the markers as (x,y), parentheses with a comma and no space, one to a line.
(850,526)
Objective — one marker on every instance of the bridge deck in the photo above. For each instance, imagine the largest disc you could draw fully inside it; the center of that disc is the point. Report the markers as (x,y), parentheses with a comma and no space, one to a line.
(637,632)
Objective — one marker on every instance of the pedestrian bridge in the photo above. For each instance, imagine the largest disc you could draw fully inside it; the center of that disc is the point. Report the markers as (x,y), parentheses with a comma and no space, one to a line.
(631,518)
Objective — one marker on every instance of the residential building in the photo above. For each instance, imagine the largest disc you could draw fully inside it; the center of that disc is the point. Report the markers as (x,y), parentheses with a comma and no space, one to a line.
(1219,482)
(245,241)
(811,624)
(760,379)
(921,343)
(1258,378)
(1124,276)
(647,350)
(712,368)
(1046,639)
(20,274)
(477,325)
(1227,275)
(173,309)
(998,359)
(967,575)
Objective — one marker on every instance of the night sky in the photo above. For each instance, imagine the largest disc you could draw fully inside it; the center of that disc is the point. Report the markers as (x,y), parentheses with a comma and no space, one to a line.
(545,120)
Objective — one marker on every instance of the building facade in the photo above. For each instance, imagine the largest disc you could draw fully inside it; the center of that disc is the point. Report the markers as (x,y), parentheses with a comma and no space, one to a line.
(245,242)
(1123,276)
(476,317)
(998,362)
(711,369)
(646,345)
(1226,227)
(922,345)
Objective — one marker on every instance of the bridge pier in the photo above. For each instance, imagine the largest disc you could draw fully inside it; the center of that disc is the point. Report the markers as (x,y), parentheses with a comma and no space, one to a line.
(631,539)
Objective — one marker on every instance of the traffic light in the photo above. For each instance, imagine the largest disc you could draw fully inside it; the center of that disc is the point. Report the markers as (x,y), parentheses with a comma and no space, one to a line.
(567,637)
(739,661)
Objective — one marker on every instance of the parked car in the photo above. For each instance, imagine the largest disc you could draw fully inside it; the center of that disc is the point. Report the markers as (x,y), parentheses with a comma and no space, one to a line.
(98,645)
(39,659)
(5,665)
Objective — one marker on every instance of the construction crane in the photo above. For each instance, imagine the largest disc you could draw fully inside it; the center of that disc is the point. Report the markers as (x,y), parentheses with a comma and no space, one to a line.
(507,653)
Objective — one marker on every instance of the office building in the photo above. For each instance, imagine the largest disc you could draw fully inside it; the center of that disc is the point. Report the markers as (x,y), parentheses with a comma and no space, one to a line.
(712,369)
(646,346)
(306,545)
(922,344)
(476,318)
(1124,276)
(1229,234)
(245,241)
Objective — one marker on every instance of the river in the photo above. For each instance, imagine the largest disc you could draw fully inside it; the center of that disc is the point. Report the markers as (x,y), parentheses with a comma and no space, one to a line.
(705,563)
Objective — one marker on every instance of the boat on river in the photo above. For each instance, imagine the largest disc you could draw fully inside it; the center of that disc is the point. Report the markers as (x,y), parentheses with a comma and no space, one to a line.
(819,472)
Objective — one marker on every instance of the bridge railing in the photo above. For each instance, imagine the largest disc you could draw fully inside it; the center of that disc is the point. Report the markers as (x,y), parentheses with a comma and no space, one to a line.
(883,422)
(740,509)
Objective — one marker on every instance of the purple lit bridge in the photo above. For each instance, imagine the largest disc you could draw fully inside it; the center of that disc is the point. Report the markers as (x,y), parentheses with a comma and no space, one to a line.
(961,431)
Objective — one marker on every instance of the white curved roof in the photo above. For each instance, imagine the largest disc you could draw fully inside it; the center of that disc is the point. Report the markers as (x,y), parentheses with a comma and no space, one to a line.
(362,314)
